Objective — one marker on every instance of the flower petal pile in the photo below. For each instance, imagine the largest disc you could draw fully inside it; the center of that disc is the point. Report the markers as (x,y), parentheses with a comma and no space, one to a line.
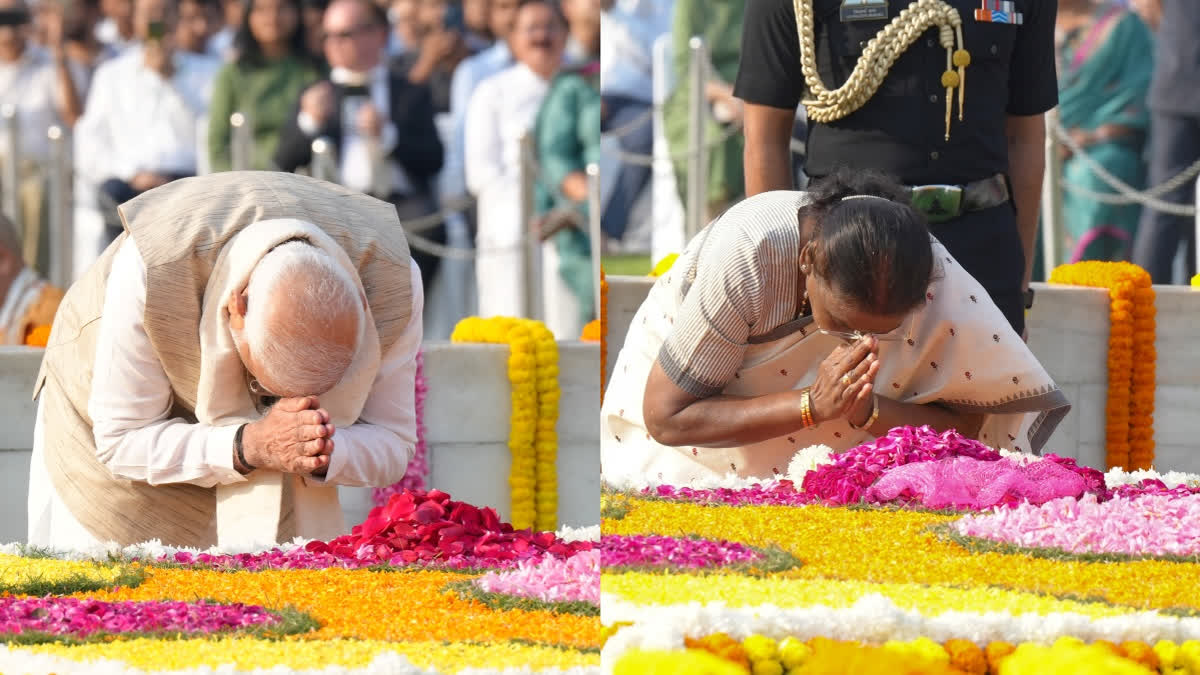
(675,552)
(1148,524)
(576,579)
(429,526)
(80,618)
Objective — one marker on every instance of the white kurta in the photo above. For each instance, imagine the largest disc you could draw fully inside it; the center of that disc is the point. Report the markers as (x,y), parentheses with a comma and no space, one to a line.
(502,109)
(137,440)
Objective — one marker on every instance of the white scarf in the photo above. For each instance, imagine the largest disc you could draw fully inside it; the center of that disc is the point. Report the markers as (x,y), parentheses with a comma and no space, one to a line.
(248,513)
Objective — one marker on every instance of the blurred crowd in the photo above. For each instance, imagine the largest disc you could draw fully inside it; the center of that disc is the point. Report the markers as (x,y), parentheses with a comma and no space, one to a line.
(424,103)
(1128,81)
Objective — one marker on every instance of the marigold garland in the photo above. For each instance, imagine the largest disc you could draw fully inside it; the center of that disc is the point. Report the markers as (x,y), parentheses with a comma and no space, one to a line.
(38,336)
(533,436)
(1129,430)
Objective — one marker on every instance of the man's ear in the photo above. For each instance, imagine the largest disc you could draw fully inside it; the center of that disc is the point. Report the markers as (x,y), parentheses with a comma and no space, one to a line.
(237,305)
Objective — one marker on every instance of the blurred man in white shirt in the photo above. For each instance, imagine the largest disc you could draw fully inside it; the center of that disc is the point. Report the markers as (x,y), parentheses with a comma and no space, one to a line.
(139,129)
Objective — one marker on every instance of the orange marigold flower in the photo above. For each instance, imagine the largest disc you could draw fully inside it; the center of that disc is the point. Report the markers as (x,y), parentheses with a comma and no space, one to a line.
(38,336)
(1142,653)
(591,332)
(996,651)
(967,656)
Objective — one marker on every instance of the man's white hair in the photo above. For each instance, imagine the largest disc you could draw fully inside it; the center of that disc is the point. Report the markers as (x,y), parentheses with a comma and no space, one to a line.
(295,350)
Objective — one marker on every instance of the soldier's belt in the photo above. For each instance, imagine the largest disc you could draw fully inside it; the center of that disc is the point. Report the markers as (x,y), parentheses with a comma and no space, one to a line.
(941,203)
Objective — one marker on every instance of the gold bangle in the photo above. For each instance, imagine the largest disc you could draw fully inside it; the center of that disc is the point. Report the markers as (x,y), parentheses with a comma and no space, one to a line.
(806,408)
(870,420)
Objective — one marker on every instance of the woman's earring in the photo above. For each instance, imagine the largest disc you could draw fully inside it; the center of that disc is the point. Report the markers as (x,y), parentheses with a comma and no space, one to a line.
(803,268)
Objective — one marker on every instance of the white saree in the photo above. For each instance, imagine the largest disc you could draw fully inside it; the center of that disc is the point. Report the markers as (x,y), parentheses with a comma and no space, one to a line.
(957,349)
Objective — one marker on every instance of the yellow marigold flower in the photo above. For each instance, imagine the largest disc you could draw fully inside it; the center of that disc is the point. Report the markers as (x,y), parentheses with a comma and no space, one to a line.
(997,651)
(761,648)
(1065,656)
(766,668)
(793,652)
(1141,652)
(689,662)
(1188,657)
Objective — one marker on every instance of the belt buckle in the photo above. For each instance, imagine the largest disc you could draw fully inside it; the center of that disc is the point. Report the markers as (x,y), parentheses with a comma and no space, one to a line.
(939,203)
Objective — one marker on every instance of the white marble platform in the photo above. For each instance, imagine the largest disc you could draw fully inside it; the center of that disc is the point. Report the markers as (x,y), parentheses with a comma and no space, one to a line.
(467,414)
(1068,331)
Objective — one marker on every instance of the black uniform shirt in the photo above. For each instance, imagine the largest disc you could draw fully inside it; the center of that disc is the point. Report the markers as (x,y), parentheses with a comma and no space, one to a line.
(901,128)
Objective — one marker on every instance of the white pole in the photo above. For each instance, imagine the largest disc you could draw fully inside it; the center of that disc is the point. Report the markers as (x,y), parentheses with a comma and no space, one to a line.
(595,233)
(1051,196)
(697,183)
(12,149)
(1197,224)
(531,232)
(62,226)
(324,165)
(241,142)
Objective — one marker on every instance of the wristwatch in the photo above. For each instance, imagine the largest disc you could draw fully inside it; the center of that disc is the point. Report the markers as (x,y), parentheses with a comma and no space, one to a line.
(1028,296)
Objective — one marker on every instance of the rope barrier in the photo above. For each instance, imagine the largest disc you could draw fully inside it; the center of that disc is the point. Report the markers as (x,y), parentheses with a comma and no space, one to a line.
(1127,194)
(639,159)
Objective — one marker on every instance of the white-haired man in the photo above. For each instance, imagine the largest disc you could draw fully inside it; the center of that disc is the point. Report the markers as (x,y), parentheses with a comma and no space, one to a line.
(246,345)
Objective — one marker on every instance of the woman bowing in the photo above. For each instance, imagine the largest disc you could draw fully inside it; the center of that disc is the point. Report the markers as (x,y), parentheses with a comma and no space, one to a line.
(819,317)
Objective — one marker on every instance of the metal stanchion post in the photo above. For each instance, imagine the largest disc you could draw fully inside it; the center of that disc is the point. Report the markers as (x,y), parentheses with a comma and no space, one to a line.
(12,150)
(381,184)
(324,164)
(1051,196)
(1198,223)
(61,216)
(530,231)
(241,142)
(697,181)
(595,234)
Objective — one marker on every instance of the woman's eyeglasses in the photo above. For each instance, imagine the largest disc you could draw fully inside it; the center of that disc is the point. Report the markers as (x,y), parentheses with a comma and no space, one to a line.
(854,336)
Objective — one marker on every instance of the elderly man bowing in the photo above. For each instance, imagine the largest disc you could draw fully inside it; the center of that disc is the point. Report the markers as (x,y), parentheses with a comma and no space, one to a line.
(248,343)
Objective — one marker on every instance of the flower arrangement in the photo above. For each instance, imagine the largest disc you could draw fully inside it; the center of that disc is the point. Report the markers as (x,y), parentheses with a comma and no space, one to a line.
(1129,428)
(382,599)
(1099,575)
(418,467)
(533,437)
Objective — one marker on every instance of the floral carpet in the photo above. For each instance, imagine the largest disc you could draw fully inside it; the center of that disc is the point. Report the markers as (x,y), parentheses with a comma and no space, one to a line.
(425,585)
(918,553)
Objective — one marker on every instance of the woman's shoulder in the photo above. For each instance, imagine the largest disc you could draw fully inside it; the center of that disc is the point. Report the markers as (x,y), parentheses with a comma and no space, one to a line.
(777,208)
(758,225)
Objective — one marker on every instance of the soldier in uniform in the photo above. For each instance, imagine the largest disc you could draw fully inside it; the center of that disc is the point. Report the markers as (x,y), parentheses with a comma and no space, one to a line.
(948,96)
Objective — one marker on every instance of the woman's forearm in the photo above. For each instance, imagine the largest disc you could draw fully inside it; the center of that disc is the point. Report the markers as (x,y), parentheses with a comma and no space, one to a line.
(894,413)
(728,421)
